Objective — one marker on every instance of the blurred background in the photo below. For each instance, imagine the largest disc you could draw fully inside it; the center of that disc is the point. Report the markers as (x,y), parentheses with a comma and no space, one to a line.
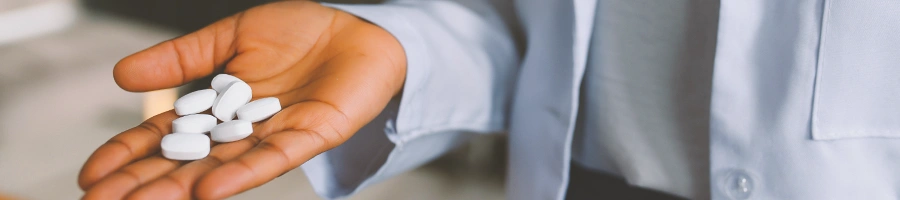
(58,100)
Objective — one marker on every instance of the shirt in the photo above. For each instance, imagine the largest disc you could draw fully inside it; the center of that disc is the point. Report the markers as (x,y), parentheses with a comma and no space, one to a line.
(802,101)
(644,108)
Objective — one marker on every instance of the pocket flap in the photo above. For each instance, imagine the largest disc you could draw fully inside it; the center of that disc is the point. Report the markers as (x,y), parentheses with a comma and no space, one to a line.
(858,74)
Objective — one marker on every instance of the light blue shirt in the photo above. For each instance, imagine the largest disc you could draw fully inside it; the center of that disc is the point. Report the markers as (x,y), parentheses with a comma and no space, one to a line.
(644,103)
(803,102)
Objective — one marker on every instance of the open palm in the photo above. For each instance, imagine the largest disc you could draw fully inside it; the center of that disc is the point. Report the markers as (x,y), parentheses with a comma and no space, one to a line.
(332,72)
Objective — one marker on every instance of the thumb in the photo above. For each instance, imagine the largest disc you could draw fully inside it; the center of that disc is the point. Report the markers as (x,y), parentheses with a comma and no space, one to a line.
(178,61)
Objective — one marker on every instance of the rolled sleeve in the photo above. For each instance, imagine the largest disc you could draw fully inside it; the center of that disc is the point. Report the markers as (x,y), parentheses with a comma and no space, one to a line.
(460,67)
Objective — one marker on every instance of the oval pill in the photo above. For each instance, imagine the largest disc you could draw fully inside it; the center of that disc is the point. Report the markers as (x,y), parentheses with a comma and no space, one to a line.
(195,102)
(221,82)
(227,103)
(259,110)
(185,146)
(231,131)
(196,123)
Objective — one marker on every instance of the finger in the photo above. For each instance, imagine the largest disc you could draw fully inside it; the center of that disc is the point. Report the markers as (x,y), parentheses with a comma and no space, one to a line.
(118,184)
(128,146)
(178,61)
(275,155)
(265,157)
(179,183)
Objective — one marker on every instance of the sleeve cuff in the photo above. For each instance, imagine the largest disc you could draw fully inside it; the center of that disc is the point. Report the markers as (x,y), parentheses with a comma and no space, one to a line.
(458,83)
(344,170)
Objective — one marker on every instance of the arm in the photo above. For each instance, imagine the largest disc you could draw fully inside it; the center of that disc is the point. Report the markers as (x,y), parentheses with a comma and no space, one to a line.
(334,74)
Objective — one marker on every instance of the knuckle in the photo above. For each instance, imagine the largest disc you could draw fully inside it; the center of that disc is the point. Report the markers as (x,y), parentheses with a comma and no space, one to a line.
(320,139)
(118,143)
(152,127)
(279,151)
(213,161)
(182,188)
(131,175)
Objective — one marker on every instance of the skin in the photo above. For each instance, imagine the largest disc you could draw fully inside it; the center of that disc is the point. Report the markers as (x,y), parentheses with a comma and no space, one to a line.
(333,73)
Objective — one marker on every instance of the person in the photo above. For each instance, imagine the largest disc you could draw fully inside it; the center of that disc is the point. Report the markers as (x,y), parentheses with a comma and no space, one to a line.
(721,99)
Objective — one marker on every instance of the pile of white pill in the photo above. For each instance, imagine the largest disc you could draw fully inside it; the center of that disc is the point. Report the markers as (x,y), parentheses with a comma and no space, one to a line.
(229,97)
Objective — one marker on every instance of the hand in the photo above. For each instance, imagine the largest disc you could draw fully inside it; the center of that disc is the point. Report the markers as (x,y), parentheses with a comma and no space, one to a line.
(332,72)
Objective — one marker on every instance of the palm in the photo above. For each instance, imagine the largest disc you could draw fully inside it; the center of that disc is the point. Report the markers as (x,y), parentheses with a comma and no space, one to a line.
(332,72)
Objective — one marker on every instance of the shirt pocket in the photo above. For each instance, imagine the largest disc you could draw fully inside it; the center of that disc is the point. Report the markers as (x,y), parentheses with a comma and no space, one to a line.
(857,89)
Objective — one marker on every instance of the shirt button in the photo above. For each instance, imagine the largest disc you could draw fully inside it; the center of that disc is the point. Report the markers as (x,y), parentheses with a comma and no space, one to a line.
(738,185)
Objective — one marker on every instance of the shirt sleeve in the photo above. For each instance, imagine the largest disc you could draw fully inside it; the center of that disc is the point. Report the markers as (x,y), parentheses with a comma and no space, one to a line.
(461,66)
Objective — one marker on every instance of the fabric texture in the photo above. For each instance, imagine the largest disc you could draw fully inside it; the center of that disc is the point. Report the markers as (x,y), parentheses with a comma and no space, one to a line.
(644,105)
(801,104)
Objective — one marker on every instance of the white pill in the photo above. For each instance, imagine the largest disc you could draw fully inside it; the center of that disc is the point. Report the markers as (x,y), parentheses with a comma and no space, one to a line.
(259,110)
(195,102)
(185,146)
(196,123)
(231,131)
(227,103)
(221,82)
